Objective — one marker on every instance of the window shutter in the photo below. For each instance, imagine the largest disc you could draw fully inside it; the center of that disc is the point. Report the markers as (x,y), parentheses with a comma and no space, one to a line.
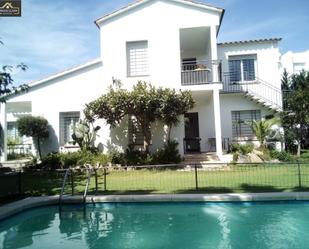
(137,58)
(67,121)
(235,70)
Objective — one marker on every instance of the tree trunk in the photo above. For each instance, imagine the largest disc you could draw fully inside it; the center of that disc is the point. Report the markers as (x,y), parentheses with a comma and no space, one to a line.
(298,148)
(145,126)
(147,140)
(39,147)
(169,133)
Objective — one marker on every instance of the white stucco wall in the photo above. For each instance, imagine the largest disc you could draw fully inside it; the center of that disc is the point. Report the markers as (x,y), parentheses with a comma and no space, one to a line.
(267,54)
(289,59)
(158,22)
(64,94)
(236,102)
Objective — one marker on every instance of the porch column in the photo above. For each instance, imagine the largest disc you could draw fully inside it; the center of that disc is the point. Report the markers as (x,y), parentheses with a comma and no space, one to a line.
(214,53)
(3,131)
(216,102)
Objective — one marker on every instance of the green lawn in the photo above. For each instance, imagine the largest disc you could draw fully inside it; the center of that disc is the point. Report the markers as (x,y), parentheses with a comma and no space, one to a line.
(240,178)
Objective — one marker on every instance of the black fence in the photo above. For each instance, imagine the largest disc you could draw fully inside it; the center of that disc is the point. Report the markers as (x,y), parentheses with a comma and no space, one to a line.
(214,178)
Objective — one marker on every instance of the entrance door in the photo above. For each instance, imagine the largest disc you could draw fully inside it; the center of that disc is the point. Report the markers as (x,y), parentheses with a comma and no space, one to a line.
(192,134)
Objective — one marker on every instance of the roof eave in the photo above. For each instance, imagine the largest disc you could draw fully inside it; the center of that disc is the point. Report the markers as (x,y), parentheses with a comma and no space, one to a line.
(139,2)
(55,76)
(251,41)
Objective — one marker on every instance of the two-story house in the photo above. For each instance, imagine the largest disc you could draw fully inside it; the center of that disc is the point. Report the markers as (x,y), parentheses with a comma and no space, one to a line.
(170,43)
(294,63)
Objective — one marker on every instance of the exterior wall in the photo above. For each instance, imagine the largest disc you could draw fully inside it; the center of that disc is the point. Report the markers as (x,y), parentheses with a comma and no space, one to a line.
(236,102)
(158,22)
(68,93)
(289,59)
(268,58)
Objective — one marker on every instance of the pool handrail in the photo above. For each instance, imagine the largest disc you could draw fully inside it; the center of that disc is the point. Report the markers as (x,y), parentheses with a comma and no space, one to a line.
(63,185)
(88,169)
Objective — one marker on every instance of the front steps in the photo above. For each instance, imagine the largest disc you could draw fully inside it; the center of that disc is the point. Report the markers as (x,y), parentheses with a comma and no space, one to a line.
(203,160)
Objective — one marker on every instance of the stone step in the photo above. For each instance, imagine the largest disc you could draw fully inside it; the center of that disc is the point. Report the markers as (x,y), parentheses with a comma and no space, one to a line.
(200,157)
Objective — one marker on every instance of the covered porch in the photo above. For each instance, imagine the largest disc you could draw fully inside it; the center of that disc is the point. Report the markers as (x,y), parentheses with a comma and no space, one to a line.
(202,125)
(12,144)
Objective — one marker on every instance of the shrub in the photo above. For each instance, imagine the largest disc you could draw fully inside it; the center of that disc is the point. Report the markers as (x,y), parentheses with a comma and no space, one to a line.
(244,149)
(70,159)
(281,155)
(100,158)
(235,147)
(118,157)
(52,160)
(235,157)
(136,157)
(168,154)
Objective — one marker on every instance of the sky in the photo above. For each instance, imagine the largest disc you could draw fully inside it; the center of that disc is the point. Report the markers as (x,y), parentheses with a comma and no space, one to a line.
(53,35)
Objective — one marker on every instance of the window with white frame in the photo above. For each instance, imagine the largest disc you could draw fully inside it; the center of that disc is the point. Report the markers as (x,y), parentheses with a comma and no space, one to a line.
(137,58)
(67,121)
(242,68)
(241,129)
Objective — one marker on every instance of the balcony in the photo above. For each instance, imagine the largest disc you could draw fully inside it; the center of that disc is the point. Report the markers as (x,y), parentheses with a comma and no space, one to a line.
(198,72)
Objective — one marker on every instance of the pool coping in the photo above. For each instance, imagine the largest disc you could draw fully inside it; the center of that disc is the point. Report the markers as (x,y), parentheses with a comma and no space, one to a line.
(32,202)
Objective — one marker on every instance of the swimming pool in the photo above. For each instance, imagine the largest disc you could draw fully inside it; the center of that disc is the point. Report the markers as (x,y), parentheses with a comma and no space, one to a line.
(160,225)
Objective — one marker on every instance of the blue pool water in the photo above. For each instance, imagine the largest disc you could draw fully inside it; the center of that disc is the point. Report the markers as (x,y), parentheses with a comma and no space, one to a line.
(168,225)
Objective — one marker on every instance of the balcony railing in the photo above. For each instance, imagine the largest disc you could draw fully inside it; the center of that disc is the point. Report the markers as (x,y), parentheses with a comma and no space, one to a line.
(18,150)
(253,86)
(198,72)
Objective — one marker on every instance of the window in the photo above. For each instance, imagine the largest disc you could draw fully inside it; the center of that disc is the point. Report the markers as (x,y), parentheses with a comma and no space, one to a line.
(135,134)
(137,58)
(242,69)
(241,130)
(67,121)
(12,131)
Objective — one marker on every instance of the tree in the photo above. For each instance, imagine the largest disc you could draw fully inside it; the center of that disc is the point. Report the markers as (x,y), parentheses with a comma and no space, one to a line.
(295,116)
(6,81)
(147,103)
(173,105)
(262,129)
(35,127)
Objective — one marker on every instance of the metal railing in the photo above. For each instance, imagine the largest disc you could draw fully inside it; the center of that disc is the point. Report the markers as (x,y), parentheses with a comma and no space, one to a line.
(185,178)
(19,149)
(198,72)
(255,88)
(88,169)
(67,172)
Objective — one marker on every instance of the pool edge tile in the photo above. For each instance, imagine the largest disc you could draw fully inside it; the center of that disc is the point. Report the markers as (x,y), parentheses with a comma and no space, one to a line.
(10,209)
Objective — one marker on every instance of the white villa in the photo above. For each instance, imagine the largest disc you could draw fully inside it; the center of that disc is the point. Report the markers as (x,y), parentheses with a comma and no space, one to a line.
(170,43)
(295,62)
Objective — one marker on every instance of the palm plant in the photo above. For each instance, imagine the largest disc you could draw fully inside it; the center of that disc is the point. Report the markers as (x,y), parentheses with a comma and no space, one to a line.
(262,128)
